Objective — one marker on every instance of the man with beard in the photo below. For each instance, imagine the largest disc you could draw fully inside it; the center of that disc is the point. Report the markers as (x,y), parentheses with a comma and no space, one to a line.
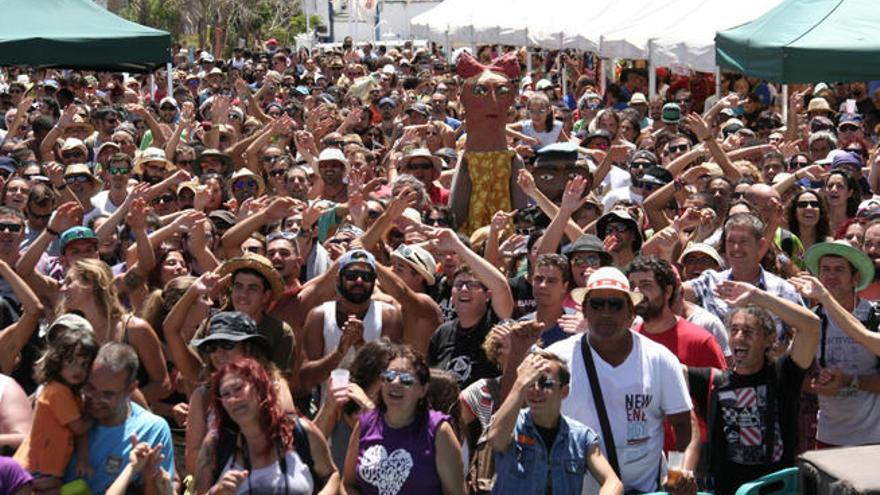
(335,329)
(654,278)
(332,168)
(641,184)
(120,424)
(621,236)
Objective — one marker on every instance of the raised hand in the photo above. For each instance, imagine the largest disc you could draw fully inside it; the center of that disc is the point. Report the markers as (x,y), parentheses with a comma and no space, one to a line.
(809,287)
(531,368)
(67,215)
(137,215)
(55,173)
(526,181)
(501,219)
(618,153)
(573,196)
(280,208)
(229,482)
(735,293)
(66,119)
(699,127)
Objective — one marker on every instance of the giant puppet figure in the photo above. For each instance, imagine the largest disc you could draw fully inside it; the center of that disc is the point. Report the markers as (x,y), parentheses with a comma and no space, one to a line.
(485,179)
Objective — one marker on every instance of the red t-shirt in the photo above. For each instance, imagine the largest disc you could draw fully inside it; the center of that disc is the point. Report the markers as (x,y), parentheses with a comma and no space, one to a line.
(694,346)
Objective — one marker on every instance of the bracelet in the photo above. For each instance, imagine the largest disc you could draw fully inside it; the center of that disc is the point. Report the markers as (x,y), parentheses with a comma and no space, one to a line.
(50,231)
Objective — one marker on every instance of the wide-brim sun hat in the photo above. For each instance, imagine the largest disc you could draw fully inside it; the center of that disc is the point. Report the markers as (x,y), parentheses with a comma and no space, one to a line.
(259,264)
(862,263)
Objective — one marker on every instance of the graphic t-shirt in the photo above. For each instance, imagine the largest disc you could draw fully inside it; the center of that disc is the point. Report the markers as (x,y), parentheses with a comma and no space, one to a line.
(638,394)
(747,409)
(395,461)
(460,350)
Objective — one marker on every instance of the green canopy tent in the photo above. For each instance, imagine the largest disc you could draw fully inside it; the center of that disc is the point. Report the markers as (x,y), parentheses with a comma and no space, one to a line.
(77,34)
(801,41)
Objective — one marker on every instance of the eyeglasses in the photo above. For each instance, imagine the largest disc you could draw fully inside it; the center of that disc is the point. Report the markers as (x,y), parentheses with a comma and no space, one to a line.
(602,303)
(420,165)
(244,184)
(590,260)
(72,154)
(616,228)
(11,227)
(546,383)
(406,379)
(211,347)
(119,170)
(354,275)
(808,204)
(80,178)
(470,284)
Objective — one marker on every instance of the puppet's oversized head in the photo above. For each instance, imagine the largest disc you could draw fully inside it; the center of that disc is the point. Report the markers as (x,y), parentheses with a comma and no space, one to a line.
(488,91)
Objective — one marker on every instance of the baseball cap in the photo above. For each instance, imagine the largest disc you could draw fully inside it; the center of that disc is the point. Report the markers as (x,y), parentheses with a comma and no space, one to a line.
(850,118)
(609,278)
(387,101)
(357,256)
(644,156)
(671,113)
(700,247)
(846,159)
(420,108)
(68,321)
(75,234)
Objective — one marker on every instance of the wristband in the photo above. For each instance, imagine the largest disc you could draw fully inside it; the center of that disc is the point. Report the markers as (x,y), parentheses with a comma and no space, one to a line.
(56,234)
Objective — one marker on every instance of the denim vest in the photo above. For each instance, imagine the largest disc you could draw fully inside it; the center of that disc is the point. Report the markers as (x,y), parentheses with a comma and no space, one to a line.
(524,467)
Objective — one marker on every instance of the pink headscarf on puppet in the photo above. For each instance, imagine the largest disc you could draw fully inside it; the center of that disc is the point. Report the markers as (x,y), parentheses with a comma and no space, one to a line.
(483,183)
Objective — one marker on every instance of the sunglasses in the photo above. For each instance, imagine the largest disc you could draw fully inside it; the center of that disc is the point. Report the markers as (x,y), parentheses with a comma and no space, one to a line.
(72,154)
(808,204)
(848,128)
(277,172)
(616,228)
(602,303)
(470,284)
(270,159)
(546,383)
(82,179)
(11,227)
(438,222)
(420,165)
(590,260)
(245,184)
(354,275)
(226,345)
(374,214)
(119,170)
(406,379)
(524,230)
(681,148)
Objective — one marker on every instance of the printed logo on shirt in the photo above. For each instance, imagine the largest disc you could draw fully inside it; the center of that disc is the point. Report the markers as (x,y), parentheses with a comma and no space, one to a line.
(742,412)
(460,367)
(637,418)
(386,472)
(113,464)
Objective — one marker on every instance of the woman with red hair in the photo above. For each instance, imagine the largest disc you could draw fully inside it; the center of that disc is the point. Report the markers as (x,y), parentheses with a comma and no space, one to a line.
(254,447)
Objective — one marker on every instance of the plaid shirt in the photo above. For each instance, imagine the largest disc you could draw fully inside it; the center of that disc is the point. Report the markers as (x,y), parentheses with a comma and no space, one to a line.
(704,288)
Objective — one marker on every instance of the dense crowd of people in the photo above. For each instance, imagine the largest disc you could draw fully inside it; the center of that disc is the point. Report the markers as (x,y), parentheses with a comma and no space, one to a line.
(399,270)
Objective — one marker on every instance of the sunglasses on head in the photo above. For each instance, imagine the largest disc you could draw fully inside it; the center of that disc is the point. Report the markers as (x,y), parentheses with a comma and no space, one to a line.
(406,379)
(211,347)
(602,303)
(354,275)
(11,227)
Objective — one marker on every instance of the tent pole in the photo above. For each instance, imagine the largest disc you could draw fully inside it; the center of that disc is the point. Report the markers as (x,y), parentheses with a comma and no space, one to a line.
(564,72)
(785,102)
(152,86)
(652,73)
(717,83)
(170,87)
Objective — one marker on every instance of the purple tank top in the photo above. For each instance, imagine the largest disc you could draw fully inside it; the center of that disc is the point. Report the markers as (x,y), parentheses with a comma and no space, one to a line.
(395,461)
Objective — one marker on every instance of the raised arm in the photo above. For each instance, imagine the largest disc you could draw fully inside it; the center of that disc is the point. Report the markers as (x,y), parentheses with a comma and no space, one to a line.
(183,319)
(698,125)
(503,423)
(47,146)
(277,210)
(805,322)
(526,182)
(66,216)
(14,337)
(502,298)
(572,199)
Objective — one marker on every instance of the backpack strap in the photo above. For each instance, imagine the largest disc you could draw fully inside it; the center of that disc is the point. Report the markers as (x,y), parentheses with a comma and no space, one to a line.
(304,450)
(599,402)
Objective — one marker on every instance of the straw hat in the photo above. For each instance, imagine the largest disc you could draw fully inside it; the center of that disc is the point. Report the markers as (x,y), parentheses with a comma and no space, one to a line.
(259,264)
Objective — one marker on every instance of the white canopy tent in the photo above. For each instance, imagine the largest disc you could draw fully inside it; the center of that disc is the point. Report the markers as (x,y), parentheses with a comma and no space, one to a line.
(678,32)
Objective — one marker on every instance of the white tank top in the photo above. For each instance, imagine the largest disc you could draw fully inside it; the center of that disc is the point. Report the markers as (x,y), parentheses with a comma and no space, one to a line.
(332,332)
(268,480)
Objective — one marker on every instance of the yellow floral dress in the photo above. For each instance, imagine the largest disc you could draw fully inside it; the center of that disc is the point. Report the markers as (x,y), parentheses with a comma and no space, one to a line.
(489,172)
